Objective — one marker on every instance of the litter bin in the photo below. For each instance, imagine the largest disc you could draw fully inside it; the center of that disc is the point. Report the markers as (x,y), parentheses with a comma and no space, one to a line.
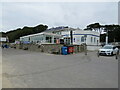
(6,46)
(70,49)
(64,50)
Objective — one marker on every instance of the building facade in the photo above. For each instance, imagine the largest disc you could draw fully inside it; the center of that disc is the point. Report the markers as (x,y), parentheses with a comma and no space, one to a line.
(41,38)
(79,37)
(69,35)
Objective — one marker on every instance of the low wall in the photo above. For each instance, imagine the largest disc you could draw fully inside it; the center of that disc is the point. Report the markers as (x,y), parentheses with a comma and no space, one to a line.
(51,48)
(78,48)
(93,48)
(47,48)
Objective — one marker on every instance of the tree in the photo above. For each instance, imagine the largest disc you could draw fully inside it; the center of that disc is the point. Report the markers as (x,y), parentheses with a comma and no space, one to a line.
(113,31)
(2,34)
(16,34)
(94,27)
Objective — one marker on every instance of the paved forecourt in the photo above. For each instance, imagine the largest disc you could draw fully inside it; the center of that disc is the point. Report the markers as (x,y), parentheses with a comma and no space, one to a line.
(26,69)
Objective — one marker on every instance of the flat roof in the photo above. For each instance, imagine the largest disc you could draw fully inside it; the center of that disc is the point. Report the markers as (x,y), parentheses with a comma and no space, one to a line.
(62,29)
(43,33)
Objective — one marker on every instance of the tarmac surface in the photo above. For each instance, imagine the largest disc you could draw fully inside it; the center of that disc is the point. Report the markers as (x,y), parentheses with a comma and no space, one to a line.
(0,68)
(26,69)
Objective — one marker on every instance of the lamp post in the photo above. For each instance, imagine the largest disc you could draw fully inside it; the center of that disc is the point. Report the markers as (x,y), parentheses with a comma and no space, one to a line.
(106,38)
(71,37)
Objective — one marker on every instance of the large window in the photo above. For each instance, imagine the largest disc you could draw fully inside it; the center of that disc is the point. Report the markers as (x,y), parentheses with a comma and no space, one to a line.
(91,39)
(49,39)
(82,39)
(67,40)
(55,40)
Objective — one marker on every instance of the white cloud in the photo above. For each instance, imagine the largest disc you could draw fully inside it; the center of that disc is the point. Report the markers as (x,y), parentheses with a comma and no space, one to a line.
(59,0)
(0,16)
(73,14)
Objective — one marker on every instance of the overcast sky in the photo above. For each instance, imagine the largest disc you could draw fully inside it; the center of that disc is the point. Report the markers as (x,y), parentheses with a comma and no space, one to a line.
(72,14)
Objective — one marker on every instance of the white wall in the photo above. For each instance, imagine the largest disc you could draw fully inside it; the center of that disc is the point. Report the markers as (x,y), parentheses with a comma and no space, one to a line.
(77,34)
(41,38)
(92,48)
(67,33)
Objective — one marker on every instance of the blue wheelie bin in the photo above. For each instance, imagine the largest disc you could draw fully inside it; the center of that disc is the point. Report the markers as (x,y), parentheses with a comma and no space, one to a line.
(64,50)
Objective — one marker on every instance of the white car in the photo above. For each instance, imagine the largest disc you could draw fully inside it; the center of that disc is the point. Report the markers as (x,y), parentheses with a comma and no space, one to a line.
(108,50)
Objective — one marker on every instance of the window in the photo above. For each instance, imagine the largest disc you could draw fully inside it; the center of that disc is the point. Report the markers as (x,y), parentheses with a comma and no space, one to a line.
(97,42)
(91,39)
(74,39)
(55,40)
(94,39)
(67,40)
(82,39)
(29,38)
(48,39)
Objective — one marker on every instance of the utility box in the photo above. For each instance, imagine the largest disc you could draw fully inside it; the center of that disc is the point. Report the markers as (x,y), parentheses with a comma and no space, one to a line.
(70,49)
(64,50)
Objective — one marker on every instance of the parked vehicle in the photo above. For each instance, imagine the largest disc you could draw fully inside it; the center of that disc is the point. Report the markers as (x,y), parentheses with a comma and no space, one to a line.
(5,46)
(108,50)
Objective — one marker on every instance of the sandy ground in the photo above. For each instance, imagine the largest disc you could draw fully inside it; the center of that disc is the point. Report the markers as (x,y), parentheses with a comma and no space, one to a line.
(25,69)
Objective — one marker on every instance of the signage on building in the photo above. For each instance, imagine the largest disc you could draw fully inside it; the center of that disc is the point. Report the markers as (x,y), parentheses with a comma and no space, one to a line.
(3,39)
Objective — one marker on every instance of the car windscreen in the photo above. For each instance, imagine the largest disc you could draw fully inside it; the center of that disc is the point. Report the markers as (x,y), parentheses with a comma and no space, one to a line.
(107,47)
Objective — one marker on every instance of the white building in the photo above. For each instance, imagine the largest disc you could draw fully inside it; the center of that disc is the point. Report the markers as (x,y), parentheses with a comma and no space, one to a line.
(41,38)
(79,37)
(69,35)
(4,39)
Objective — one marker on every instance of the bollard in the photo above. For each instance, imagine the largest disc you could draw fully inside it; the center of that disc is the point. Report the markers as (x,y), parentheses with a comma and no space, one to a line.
(116,56)
(85,46)
(98,54)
